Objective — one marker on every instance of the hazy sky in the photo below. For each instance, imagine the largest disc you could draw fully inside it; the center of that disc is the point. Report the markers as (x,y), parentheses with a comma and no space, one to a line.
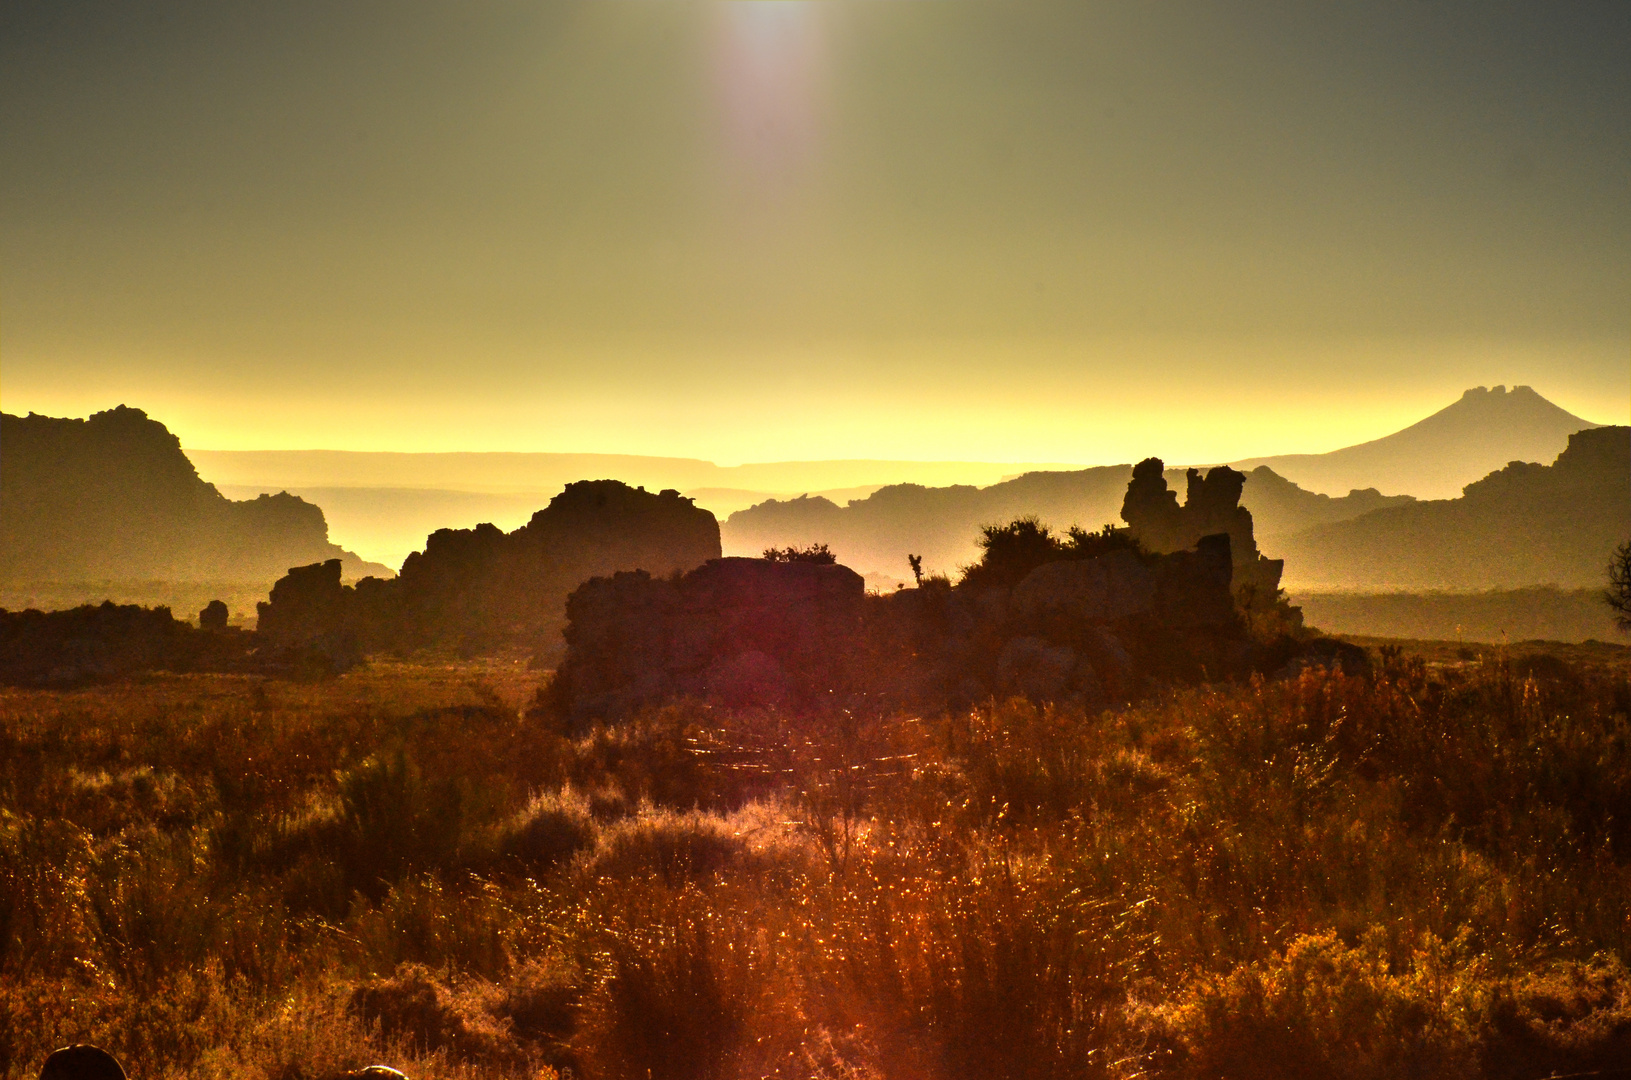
(768,229)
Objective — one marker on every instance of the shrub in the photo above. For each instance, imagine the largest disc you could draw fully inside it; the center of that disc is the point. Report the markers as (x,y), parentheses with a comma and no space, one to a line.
(552,828)
(674,847)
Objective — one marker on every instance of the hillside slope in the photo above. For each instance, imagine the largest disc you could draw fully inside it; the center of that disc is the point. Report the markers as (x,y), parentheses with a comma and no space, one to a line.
(114,498)
(1522,525)
(1436,457)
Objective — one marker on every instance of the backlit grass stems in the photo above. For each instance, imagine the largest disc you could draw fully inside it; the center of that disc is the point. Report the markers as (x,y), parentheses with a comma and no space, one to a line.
(1419,872)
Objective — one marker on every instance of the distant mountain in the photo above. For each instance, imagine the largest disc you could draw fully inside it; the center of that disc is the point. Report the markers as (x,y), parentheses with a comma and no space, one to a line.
(1436,457)
(384,503)
(114,498)
(1522,525)
(875,534)
(547,473)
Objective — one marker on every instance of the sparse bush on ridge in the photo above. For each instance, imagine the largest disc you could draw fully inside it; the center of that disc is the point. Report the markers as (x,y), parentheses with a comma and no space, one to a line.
(1416,870)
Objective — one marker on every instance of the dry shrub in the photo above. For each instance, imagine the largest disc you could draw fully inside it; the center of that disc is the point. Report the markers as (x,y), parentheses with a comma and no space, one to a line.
(552,828)
(200,873)
(685,991)
(1324,1010)
(414,1007)
(1005,970)
(674,847)
(538,1000)
(1571,1017)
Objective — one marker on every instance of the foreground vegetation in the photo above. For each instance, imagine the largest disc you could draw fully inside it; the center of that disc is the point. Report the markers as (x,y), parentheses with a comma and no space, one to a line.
(1424,871)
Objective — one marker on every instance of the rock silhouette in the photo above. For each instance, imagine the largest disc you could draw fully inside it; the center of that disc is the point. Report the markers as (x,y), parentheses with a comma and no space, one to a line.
(939,524)
(115,498)
(482,587)
(214,616)
(81,1062)
(1102,621)
(96,643)
(1211,506)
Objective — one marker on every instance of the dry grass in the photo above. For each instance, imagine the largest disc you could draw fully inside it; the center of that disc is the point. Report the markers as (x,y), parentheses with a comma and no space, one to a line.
(1422,873)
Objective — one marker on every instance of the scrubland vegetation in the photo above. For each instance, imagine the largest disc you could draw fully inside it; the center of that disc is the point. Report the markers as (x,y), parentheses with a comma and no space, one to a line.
(1423,871)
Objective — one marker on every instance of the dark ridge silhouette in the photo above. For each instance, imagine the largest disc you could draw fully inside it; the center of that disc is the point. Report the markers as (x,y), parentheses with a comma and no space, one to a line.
(114,497)
(1523,525)
(1434,458)
(802,635)
(482,587)
(1085,616)
(939,524)
(109,641)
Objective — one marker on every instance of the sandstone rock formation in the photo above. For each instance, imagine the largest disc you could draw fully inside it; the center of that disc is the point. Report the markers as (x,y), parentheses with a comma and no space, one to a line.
(1211,506)
(739,631)
(482,587)
(801,636)
(114,498)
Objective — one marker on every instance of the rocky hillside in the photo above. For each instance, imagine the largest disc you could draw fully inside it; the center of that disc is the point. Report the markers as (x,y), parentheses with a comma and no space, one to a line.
(1525,524)
(114,498)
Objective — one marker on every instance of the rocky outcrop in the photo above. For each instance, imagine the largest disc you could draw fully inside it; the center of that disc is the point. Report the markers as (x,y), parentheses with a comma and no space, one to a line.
(738,631)
(940,524)
(482,587)
(109,641)
(1211,506)
(757,633)
(114,498)
(214,616)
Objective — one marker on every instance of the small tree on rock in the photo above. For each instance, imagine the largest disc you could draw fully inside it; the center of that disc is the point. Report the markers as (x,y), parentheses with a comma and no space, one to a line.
(1618,595)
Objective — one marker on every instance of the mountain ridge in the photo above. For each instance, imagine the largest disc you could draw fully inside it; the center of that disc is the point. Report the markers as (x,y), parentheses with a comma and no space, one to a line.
(1522,525)
(1437,456)
(113,497)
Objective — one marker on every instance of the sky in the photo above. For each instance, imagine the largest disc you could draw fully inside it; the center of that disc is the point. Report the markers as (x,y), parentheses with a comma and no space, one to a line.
(758,230)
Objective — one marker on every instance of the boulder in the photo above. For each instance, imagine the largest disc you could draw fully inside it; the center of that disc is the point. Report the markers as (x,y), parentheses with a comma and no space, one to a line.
(1102,590)
(214,617)
(81,1062)
(740,631)
(1031,667)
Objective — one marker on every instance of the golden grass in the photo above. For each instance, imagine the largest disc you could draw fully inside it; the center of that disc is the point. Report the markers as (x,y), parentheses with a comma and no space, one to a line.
(1426,872)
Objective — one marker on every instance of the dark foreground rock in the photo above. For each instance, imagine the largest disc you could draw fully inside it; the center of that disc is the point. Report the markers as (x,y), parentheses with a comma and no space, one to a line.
(108,641)
(739,631)
(752,632)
